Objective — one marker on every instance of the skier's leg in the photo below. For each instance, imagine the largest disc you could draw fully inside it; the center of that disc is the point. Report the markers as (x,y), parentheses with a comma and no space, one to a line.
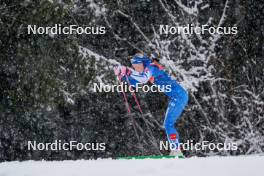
(171,116)
(175,108)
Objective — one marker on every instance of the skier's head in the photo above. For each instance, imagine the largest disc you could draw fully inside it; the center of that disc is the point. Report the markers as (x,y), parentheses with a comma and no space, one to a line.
(139,61)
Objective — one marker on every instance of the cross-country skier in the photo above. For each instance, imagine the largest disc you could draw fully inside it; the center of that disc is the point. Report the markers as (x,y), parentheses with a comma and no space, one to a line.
(146,70)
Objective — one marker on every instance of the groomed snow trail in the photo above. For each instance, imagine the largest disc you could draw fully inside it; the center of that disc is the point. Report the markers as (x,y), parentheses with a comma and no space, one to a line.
(210,166)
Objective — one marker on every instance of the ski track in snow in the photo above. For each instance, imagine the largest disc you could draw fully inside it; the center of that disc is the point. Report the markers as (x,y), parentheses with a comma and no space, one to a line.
(210,166)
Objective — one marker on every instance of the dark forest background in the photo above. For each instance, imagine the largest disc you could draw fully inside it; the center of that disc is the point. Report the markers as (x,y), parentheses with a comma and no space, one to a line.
(46,81)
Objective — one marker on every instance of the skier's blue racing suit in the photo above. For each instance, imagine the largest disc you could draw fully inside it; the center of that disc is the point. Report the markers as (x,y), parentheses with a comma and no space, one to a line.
(178,97)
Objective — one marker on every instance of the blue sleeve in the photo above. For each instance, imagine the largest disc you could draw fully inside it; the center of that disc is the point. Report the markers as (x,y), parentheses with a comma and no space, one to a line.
(135,77)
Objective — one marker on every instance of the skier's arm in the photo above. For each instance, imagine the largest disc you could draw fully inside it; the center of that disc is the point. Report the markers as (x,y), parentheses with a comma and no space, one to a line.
(135,77)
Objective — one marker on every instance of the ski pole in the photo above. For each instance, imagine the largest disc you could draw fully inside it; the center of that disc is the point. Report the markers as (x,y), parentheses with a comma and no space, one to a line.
(125,97)
(135,97)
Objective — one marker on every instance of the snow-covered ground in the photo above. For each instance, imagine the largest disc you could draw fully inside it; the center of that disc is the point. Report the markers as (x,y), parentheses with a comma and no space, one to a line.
(210,166)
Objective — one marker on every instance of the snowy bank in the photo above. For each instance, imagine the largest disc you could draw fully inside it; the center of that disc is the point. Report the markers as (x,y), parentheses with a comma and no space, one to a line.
(210,166)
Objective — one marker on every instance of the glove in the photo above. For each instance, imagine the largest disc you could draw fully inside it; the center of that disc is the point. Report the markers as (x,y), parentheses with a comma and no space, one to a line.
(117,70)
(125,71)
(121,71)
